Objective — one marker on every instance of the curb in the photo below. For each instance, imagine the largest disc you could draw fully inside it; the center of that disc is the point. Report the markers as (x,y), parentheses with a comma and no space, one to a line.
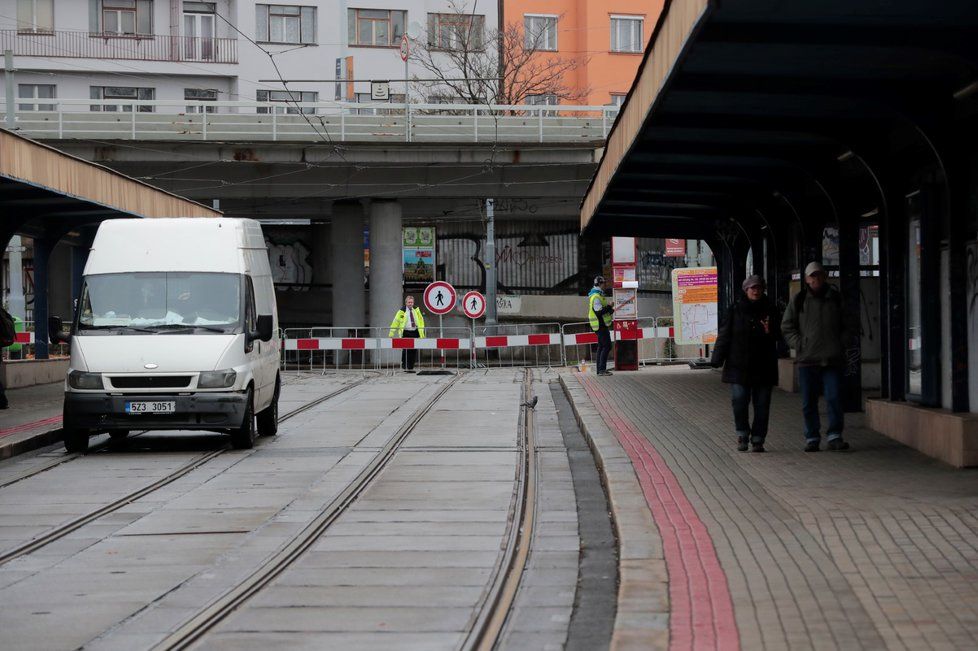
(11,448)
(642,616)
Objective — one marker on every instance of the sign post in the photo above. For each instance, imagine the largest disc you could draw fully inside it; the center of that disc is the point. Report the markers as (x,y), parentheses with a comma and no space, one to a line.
(440,298)
(624,260)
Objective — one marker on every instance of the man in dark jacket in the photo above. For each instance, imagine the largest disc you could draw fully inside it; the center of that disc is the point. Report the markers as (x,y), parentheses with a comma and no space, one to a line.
(747,349)
(815,327)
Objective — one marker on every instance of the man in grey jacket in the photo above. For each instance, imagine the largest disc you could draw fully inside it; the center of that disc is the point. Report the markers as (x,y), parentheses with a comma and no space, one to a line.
(815,326)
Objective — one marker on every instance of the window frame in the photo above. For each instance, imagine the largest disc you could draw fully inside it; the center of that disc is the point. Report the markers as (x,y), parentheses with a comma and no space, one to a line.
(615,33)
(305,14)
(34,105)
(288,102)
(459,22)
(393,37)
(141,9)
(33,28)
(198,109)
(99,108)
(527,31)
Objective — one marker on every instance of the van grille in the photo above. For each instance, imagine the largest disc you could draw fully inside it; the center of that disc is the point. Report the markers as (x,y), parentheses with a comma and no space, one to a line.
(151,381)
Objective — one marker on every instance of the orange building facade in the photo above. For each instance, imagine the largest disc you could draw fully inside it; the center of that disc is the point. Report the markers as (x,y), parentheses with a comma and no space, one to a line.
(608,37)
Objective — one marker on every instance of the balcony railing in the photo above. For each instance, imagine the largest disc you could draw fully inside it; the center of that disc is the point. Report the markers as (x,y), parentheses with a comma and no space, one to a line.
(323,121)
(88,45)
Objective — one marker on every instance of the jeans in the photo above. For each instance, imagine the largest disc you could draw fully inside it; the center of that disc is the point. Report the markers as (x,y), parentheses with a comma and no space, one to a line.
(408,355)
(740,397)
(604,348)
(829,380)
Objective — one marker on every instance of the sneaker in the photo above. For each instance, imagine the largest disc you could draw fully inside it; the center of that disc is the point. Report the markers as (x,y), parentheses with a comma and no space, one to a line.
(812,446)
(605,373)
(838,444)
(742,443)
(757,447)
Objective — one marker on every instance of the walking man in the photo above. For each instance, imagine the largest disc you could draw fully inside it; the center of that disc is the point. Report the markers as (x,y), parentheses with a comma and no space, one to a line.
(408,322)
(747,348)
(599,316)
(815,326)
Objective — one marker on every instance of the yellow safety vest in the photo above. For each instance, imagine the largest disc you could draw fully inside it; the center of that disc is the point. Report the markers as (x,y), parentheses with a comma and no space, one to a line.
(592,316)
(400,320)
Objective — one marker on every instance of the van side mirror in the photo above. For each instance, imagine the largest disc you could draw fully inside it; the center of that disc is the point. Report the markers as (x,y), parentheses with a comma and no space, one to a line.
(55,336)
(265,327)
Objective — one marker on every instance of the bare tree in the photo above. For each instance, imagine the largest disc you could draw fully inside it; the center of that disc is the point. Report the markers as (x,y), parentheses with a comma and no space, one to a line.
(465,62)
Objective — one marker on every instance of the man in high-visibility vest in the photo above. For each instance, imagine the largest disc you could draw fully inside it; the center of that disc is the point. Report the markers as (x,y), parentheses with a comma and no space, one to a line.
(408,322)
(599,311)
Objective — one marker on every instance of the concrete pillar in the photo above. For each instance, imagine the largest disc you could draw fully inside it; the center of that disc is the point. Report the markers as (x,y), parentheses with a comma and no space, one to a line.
(386,277)
(346,247)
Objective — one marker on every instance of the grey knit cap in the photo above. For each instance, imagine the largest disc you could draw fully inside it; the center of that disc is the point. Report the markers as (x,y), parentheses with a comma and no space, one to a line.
(752,281)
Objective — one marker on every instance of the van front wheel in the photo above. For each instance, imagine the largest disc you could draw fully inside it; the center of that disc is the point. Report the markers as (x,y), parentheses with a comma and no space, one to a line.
(243,438)
(268,417)
(76,441)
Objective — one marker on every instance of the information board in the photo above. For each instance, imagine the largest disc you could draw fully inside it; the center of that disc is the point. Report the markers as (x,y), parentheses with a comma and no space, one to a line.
(418,247)
(694,305)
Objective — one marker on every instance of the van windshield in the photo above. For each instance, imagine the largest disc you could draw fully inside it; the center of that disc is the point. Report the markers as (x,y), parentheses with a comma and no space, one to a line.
(161,302)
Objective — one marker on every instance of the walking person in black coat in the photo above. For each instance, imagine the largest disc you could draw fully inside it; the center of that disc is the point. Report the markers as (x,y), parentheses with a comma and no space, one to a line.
(747,349)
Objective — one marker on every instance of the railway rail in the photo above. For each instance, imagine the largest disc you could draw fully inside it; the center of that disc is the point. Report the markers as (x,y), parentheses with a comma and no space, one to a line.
(72,525)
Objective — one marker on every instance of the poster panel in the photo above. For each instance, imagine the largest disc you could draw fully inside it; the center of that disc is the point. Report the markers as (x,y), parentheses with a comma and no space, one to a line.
(694,304)
(418,249)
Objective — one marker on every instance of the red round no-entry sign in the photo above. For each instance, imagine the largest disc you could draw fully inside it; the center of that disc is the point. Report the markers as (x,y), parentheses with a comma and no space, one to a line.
(440,297)
(474,305)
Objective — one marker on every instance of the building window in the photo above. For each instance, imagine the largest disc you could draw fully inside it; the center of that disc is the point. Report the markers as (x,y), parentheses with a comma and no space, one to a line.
(393,98)
(456,31)
(199,24)
(35,16)
(540,32)
(122,94)
(200,95)
(285,24)
(626,33)
(36,91)
(617,99)
(375,27)
(127,17)
(287,97)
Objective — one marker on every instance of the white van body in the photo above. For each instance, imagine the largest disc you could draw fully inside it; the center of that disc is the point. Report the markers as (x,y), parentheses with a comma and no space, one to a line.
(165,332)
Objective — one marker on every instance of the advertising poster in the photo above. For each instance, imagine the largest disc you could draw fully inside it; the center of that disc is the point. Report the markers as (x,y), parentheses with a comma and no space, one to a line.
(418,247)
(694,304)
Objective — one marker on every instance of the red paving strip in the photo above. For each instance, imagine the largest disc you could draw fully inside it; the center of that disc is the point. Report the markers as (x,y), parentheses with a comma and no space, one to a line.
(701,614)
(26,427)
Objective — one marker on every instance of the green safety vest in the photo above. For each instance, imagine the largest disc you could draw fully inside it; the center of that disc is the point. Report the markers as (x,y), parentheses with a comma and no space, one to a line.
(592,316)
(400,320)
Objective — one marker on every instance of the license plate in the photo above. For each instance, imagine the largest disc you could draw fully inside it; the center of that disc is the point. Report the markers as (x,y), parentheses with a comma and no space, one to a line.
(148,407)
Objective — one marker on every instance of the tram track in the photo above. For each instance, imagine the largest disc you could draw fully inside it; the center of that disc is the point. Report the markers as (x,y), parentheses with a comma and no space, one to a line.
(72,525)
(491,620)
(193,629)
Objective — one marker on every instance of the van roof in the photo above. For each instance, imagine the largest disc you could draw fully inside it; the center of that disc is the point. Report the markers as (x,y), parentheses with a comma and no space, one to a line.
(188,244)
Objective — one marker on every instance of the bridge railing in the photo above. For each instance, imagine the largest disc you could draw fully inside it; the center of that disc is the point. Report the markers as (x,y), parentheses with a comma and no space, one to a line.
(181,120)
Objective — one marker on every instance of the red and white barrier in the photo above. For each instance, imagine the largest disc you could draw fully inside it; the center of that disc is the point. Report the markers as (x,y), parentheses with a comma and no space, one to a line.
(585,338)
(364,343)
(504,341)
(24,338)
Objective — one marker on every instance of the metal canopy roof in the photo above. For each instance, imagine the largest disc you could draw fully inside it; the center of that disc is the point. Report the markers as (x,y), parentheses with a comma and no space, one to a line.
(44,191)
(741,100)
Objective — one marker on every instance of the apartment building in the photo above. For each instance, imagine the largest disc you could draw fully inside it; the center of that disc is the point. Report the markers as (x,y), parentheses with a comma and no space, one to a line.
(175,51)
(605,37)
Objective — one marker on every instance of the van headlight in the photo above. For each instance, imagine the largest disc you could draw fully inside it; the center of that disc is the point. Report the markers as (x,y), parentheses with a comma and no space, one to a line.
(83,380)
(217,379)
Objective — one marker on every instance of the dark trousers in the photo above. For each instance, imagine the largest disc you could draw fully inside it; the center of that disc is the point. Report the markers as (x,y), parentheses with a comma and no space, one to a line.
(604,348)
(829,380)
(741,396)
(408,355)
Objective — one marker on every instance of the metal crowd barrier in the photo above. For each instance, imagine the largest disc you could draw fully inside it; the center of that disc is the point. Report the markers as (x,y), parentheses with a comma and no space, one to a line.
(24,347)
(325,349)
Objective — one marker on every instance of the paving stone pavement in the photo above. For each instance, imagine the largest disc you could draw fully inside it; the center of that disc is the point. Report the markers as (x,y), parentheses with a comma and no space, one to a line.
(872,548)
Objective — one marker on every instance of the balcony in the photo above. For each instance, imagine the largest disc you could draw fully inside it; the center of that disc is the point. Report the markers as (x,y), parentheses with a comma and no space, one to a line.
(87,45)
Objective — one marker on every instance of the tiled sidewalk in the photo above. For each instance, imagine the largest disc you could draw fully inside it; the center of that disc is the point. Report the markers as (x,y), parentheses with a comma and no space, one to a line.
(872,548)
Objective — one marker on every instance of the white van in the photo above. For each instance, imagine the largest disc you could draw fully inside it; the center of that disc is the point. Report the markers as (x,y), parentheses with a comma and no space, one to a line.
(176,328)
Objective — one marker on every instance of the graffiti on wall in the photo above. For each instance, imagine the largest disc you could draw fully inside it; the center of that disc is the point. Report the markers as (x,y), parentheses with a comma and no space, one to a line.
(289,263)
